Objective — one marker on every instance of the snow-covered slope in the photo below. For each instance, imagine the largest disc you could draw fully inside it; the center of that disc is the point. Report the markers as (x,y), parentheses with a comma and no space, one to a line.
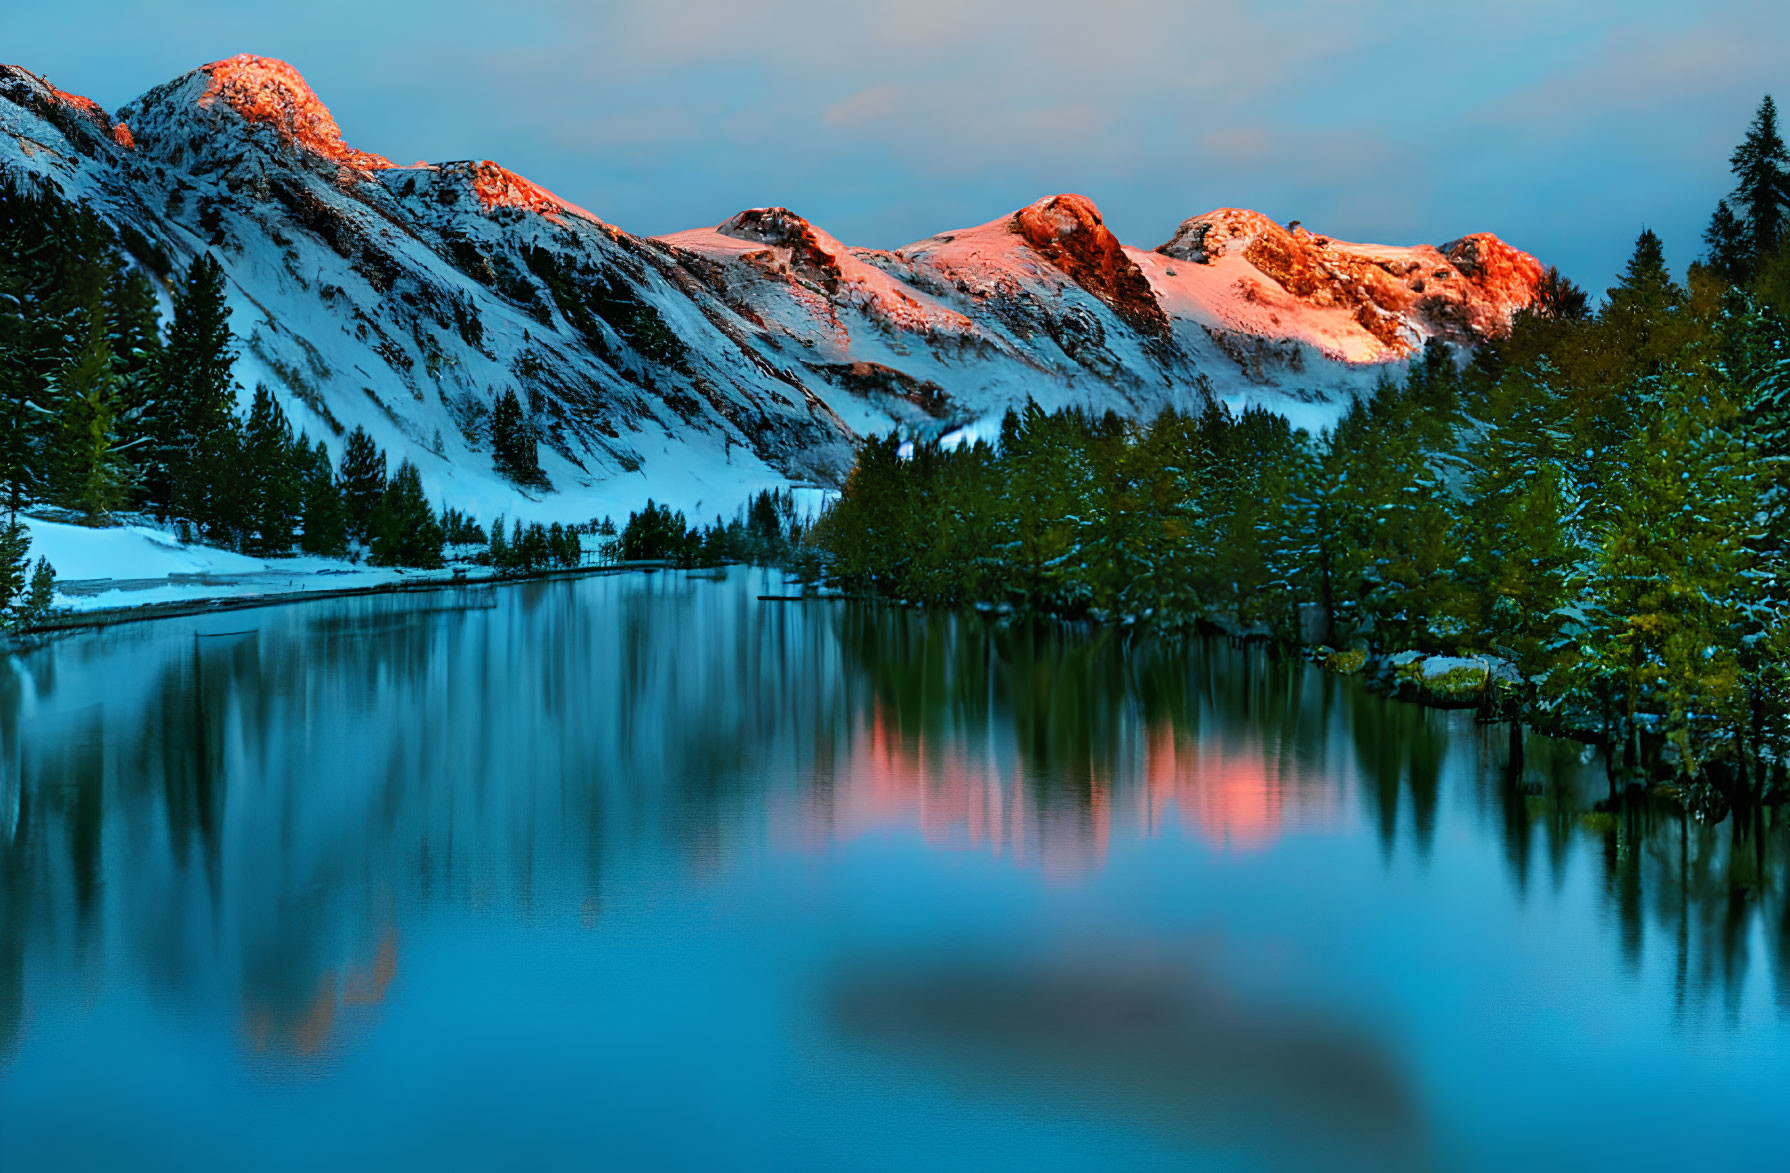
(703,365)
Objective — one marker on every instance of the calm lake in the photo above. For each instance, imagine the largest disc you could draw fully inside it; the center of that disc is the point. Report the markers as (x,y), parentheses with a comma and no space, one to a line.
(641,872)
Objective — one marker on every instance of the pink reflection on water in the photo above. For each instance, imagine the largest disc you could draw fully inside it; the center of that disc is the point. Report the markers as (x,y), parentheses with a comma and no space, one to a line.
(967,793)
(958,794)
(1235,796)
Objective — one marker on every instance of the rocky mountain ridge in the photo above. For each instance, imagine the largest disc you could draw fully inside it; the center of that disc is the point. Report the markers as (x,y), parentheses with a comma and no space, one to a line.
(702,365)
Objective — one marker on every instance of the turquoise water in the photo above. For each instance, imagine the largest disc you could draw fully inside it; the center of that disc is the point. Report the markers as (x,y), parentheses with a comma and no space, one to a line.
(644,873)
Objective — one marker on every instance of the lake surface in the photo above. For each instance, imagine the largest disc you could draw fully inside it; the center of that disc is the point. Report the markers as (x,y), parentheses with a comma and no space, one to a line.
(641,872)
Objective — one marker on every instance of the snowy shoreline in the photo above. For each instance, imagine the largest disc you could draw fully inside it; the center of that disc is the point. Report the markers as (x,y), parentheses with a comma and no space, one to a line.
(137,572)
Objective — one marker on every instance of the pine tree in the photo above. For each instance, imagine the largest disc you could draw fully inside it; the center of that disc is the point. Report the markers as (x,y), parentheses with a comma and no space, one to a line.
(324,514)
(132,309)
(15,564)
(1559,298)
(363,482)
(656,532)
(1662,598)
(513,441)
(1641,320)
(40,596)
(1755,367)
(405,532)
(17,382)
(54,260)
(1761,167)
(87,469)
(499,551)
(1518,522)
(1730,249)
(219,491)
(193,378)
(27,593)
(271,477)
(1646,286)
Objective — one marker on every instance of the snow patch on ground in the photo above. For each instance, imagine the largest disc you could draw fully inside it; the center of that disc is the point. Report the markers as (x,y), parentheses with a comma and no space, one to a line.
(282,576)
(137,565)
(80,552)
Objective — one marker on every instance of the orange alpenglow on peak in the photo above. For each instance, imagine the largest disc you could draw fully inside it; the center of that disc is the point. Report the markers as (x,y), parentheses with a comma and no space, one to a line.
(1464,290)
(265,90)
(88,109)
(499,187)
(1069,232)
(86,106)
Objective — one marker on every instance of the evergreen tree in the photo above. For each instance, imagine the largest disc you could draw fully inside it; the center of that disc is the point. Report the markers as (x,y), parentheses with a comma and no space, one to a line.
(17,414)
(1645,286)
(131,307)
(363,482)
(219,491)
(1761,169)
(193,378)
(15,565)
(87,469)
(40,595)
(499,552)
(1754,365)
(324,513)
(1664,596)
(1559,298)
(405,532)
(26,592)
(656,532)
(271,477)
(1641,322)
(513,441)
(1730,250)
(54,260)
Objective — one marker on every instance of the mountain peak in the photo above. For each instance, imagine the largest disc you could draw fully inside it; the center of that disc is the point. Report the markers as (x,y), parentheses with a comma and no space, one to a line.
(1068,231)
(1464,291)
(774,226)
(270,92)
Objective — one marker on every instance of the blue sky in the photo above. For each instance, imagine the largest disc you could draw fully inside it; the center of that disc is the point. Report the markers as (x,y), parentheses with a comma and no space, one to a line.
(1563,126)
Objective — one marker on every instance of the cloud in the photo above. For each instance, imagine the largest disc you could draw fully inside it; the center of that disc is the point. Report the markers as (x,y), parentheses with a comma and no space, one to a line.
(866,106)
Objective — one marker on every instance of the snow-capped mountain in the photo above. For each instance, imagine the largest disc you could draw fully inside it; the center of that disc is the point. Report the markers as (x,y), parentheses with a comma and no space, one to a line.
(705,364)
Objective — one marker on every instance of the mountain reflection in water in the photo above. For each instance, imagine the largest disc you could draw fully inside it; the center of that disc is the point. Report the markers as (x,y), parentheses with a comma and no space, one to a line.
(660,873)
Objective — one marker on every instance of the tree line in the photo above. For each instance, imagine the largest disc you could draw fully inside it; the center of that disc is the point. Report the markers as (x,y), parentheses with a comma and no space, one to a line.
(766,532)
(1598,498)
(105,410)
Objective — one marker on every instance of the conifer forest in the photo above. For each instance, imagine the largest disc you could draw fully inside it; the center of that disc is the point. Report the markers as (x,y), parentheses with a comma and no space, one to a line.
(1597,506)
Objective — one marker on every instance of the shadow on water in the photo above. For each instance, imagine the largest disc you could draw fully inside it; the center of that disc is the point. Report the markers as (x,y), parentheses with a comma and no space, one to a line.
(252,813)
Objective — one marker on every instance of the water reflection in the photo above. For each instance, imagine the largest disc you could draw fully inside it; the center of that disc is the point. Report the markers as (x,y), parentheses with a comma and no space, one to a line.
(250,818)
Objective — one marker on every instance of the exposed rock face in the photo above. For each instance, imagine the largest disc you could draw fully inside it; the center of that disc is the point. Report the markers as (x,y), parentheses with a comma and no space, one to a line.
(1068,231)
(705,364)
(811,253)
(27,89)
(499,187)
(1464,291)
(271,93)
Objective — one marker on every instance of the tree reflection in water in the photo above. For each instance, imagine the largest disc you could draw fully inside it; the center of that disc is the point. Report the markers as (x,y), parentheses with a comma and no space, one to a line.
(259,804)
